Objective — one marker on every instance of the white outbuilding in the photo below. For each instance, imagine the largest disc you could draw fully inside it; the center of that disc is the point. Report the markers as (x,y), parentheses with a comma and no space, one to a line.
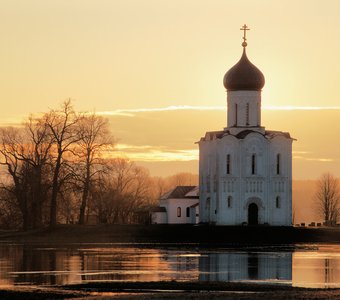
(178,206)
(245,171)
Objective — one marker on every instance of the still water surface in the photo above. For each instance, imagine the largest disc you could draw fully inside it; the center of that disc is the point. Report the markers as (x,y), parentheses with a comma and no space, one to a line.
(317,266)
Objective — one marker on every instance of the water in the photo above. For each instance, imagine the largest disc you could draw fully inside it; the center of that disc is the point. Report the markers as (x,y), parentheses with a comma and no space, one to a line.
(317,266)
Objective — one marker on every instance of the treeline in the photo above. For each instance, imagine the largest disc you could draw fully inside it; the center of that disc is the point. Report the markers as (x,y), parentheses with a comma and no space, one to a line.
(60,168)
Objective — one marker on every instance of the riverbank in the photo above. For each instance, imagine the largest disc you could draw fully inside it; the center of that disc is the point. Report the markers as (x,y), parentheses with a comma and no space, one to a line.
(179,234)
(169,290)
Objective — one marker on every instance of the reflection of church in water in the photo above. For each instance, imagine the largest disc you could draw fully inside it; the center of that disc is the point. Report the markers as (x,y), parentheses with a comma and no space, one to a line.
(246,266)
(245,170)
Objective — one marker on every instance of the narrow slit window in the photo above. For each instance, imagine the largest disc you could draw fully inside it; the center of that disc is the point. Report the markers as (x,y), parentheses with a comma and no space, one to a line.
(253,164)
(235,114)
(188,212)
(229,201)
(278,164)
(179,212)
(278,202)
(247,114)
(228,164)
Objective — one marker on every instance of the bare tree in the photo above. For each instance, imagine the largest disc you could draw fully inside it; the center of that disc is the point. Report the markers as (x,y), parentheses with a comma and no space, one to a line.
(63,129)
(94,139)
(25,153)
(122,192)
(183,178)
(327,198)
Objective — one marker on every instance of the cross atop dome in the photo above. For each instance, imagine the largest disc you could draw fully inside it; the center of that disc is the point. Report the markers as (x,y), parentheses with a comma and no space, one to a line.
(244,28)
(244,76)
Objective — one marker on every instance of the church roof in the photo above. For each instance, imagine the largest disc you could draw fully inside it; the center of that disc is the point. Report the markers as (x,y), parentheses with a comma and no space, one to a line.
(181,192)
(272,133)
(244,76)
(269,134)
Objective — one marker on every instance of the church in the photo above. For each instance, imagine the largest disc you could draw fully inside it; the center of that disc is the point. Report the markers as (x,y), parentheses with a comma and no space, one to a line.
(245,170)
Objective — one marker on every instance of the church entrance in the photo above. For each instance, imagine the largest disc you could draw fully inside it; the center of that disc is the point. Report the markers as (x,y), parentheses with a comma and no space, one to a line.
(253,214)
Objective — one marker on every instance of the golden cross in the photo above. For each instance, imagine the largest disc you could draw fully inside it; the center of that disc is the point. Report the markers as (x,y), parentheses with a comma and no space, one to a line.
(244,28)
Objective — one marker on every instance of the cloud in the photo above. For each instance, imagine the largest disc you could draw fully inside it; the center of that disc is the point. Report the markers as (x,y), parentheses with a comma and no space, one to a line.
(272,107)
(300,152)
(321,159)
(132,111)
(314,159)
(149,153)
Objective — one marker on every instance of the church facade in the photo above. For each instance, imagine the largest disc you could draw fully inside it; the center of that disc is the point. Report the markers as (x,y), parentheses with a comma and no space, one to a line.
(245,171)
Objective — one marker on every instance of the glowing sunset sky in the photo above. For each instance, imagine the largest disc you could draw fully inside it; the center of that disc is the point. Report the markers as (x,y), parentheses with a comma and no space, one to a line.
(155,67)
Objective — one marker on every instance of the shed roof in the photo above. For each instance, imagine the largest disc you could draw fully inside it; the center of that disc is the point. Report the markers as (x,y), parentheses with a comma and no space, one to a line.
(181,192)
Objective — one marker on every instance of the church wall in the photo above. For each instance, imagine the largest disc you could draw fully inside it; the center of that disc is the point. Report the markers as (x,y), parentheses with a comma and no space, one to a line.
(254,186)
(241,185)
(281,184)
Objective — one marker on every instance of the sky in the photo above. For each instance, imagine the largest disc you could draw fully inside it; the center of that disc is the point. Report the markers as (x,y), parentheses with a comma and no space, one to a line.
(155,69)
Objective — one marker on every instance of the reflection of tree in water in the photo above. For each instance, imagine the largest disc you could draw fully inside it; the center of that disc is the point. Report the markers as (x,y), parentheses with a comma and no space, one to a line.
(44,263)
(10,256)
(119,264)
(253,266)
(38,265)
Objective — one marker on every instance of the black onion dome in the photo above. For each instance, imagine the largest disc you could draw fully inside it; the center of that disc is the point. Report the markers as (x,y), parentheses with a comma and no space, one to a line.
(244,76)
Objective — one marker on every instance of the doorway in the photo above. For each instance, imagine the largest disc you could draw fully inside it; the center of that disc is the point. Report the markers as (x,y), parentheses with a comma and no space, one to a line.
(253,214)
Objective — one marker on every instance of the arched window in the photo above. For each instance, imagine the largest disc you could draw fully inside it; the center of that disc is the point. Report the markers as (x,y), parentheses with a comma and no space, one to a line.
(278,204)
(188,212)
(228,164)
(278,163)
(229,201)
(179,212)
(247,114)
(253,164)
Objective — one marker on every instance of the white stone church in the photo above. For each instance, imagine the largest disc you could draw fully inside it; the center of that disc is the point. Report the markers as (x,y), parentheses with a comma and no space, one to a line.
(245,171)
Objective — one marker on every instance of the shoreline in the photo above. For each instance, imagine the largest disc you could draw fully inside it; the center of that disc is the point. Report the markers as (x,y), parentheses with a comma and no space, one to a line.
(168,290)
(203,235)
